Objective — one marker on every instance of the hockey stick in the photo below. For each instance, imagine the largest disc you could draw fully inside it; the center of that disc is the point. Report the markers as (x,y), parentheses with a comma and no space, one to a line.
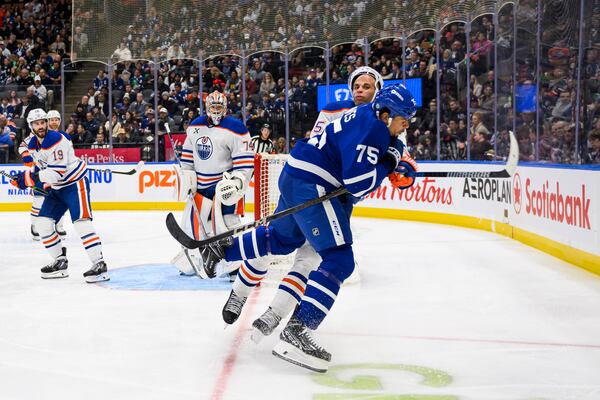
(179,235)
(507,172)
(136,169)
(12,178)
(190,243)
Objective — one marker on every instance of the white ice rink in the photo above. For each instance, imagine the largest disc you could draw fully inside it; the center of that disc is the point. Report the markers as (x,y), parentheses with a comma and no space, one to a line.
(441,313)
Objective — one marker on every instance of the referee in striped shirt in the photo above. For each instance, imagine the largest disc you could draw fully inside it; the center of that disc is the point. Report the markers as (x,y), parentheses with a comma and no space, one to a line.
(262,143)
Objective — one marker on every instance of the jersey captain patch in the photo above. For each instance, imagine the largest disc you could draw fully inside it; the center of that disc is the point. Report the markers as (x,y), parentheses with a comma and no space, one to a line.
(204,147)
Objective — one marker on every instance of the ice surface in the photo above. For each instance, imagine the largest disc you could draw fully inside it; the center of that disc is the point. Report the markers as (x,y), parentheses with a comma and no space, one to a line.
(441,311)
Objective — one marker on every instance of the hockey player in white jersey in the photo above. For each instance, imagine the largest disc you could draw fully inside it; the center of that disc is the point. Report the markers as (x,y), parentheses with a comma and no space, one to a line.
(364,83)
(217,163)
(37,199)
(63,175)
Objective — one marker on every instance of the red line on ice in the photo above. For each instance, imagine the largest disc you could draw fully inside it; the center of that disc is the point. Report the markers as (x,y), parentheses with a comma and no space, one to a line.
(229,363)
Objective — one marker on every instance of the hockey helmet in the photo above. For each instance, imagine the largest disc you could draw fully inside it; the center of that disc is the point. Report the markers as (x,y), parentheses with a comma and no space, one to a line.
(216,106)
(53,114)
(397,100)
(366,71)
(35,115)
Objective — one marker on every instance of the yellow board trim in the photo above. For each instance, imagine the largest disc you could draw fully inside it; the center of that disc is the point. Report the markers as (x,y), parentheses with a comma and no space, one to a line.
(580,258)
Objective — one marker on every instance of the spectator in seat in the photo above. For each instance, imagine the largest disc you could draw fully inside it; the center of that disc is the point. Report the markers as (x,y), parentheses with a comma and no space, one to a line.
(101,80)
(122,53)
(563,107)
(91,124)
(480,145)
(7,134)
(7,109)
(138,106)
(168,103)
(477,125)
(593,156)
(267,86)
(100,142)
(164,120)
(24,79)
(82,136)
(80,42)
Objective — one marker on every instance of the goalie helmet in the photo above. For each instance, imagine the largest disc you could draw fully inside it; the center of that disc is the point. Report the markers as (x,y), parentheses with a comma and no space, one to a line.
(366,71)
(53,114)
(397,100)
(216,106)
(36,115)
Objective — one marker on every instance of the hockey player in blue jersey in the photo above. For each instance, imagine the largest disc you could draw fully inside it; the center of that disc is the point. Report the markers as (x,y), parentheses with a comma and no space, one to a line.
(356,151)
(62,174)
(363,83)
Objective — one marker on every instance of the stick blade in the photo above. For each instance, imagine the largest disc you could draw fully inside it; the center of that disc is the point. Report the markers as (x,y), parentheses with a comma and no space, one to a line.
(513,155)
(178,234)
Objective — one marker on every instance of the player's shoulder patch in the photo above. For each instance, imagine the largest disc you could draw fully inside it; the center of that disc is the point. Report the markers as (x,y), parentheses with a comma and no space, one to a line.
(233,125)
(338,106)
(52,139)
(199,121)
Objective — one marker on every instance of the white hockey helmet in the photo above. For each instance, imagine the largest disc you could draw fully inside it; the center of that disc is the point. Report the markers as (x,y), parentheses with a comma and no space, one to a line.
(216,106)
(53,114)
(35,115)
(368,71)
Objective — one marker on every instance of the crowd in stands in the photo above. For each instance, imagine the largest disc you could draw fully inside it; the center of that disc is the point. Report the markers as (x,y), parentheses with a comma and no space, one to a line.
(488,92)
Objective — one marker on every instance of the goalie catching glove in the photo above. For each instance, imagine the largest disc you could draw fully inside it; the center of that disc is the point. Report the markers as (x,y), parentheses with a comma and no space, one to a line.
(27,179)
(230,189)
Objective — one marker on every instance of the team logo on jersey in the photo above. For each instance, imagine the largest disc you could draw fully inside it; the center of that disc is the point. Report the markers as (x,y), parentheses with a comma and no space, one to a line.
(315,232)
(204,147)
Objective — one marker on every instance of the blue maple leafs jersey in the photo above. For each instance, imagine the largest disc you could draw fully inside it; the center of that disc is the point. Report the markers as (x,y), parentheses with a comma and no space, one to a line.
(346,154)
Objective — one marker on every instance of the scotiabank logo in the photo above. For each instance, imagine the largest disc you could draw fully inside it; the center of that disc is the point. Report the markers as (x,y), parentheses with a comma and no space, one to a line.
(517,193)
(425,191)
(158,178)
(549,202)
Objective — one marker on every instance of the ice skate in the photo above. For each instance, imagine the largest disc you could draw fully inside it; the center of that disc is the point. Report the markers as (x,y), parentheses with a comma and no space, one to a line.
(58,269)
(233,307)
(297,346)
(98,273)
(265,325)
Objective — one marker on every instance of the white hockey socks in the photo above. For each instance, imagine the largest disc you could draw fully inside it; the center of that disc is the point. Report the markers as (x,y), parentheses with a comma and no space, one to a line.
(251,272)
(292,286)
(49,237)
(36,206)
(91,241)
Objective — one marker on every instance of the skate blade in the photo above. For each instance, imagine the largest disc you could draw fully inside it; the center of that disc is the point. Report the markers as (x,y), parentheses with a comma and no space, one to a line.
(257,336)
(55,275)
(293,355)
(97,278)
(35,238)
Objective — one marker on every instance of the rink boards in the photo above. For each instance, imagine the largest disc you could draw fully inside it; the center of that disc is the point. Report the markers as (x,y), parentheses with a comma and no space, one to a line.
(554,209)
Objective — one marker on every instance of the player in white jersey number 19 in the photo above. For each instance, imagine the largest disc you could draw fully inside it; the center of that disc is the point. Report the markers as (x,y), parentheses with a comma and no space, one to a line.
(37,198)
(59,172)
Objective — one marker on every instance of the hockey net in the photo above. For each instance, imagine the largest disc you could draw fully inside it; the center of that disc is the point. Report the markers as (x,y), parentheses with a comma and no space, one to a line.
(267,168)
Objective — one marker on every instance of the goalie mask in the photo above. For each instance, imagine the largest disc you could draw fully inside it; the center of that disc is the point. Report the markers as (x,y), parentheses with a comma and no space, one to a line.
(216,106)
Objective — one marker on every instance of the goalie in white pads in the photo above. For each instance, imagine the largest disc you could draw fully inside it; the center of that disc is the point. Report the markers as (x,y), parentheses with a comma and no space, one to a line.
(37,198)
(62,174)
(217,163)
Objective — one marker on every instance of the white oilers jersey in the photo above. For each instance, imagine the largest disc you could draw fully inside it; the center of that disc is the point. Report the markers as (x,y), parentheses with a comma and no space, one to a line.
(55,160)
(330,112)
(211,150)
